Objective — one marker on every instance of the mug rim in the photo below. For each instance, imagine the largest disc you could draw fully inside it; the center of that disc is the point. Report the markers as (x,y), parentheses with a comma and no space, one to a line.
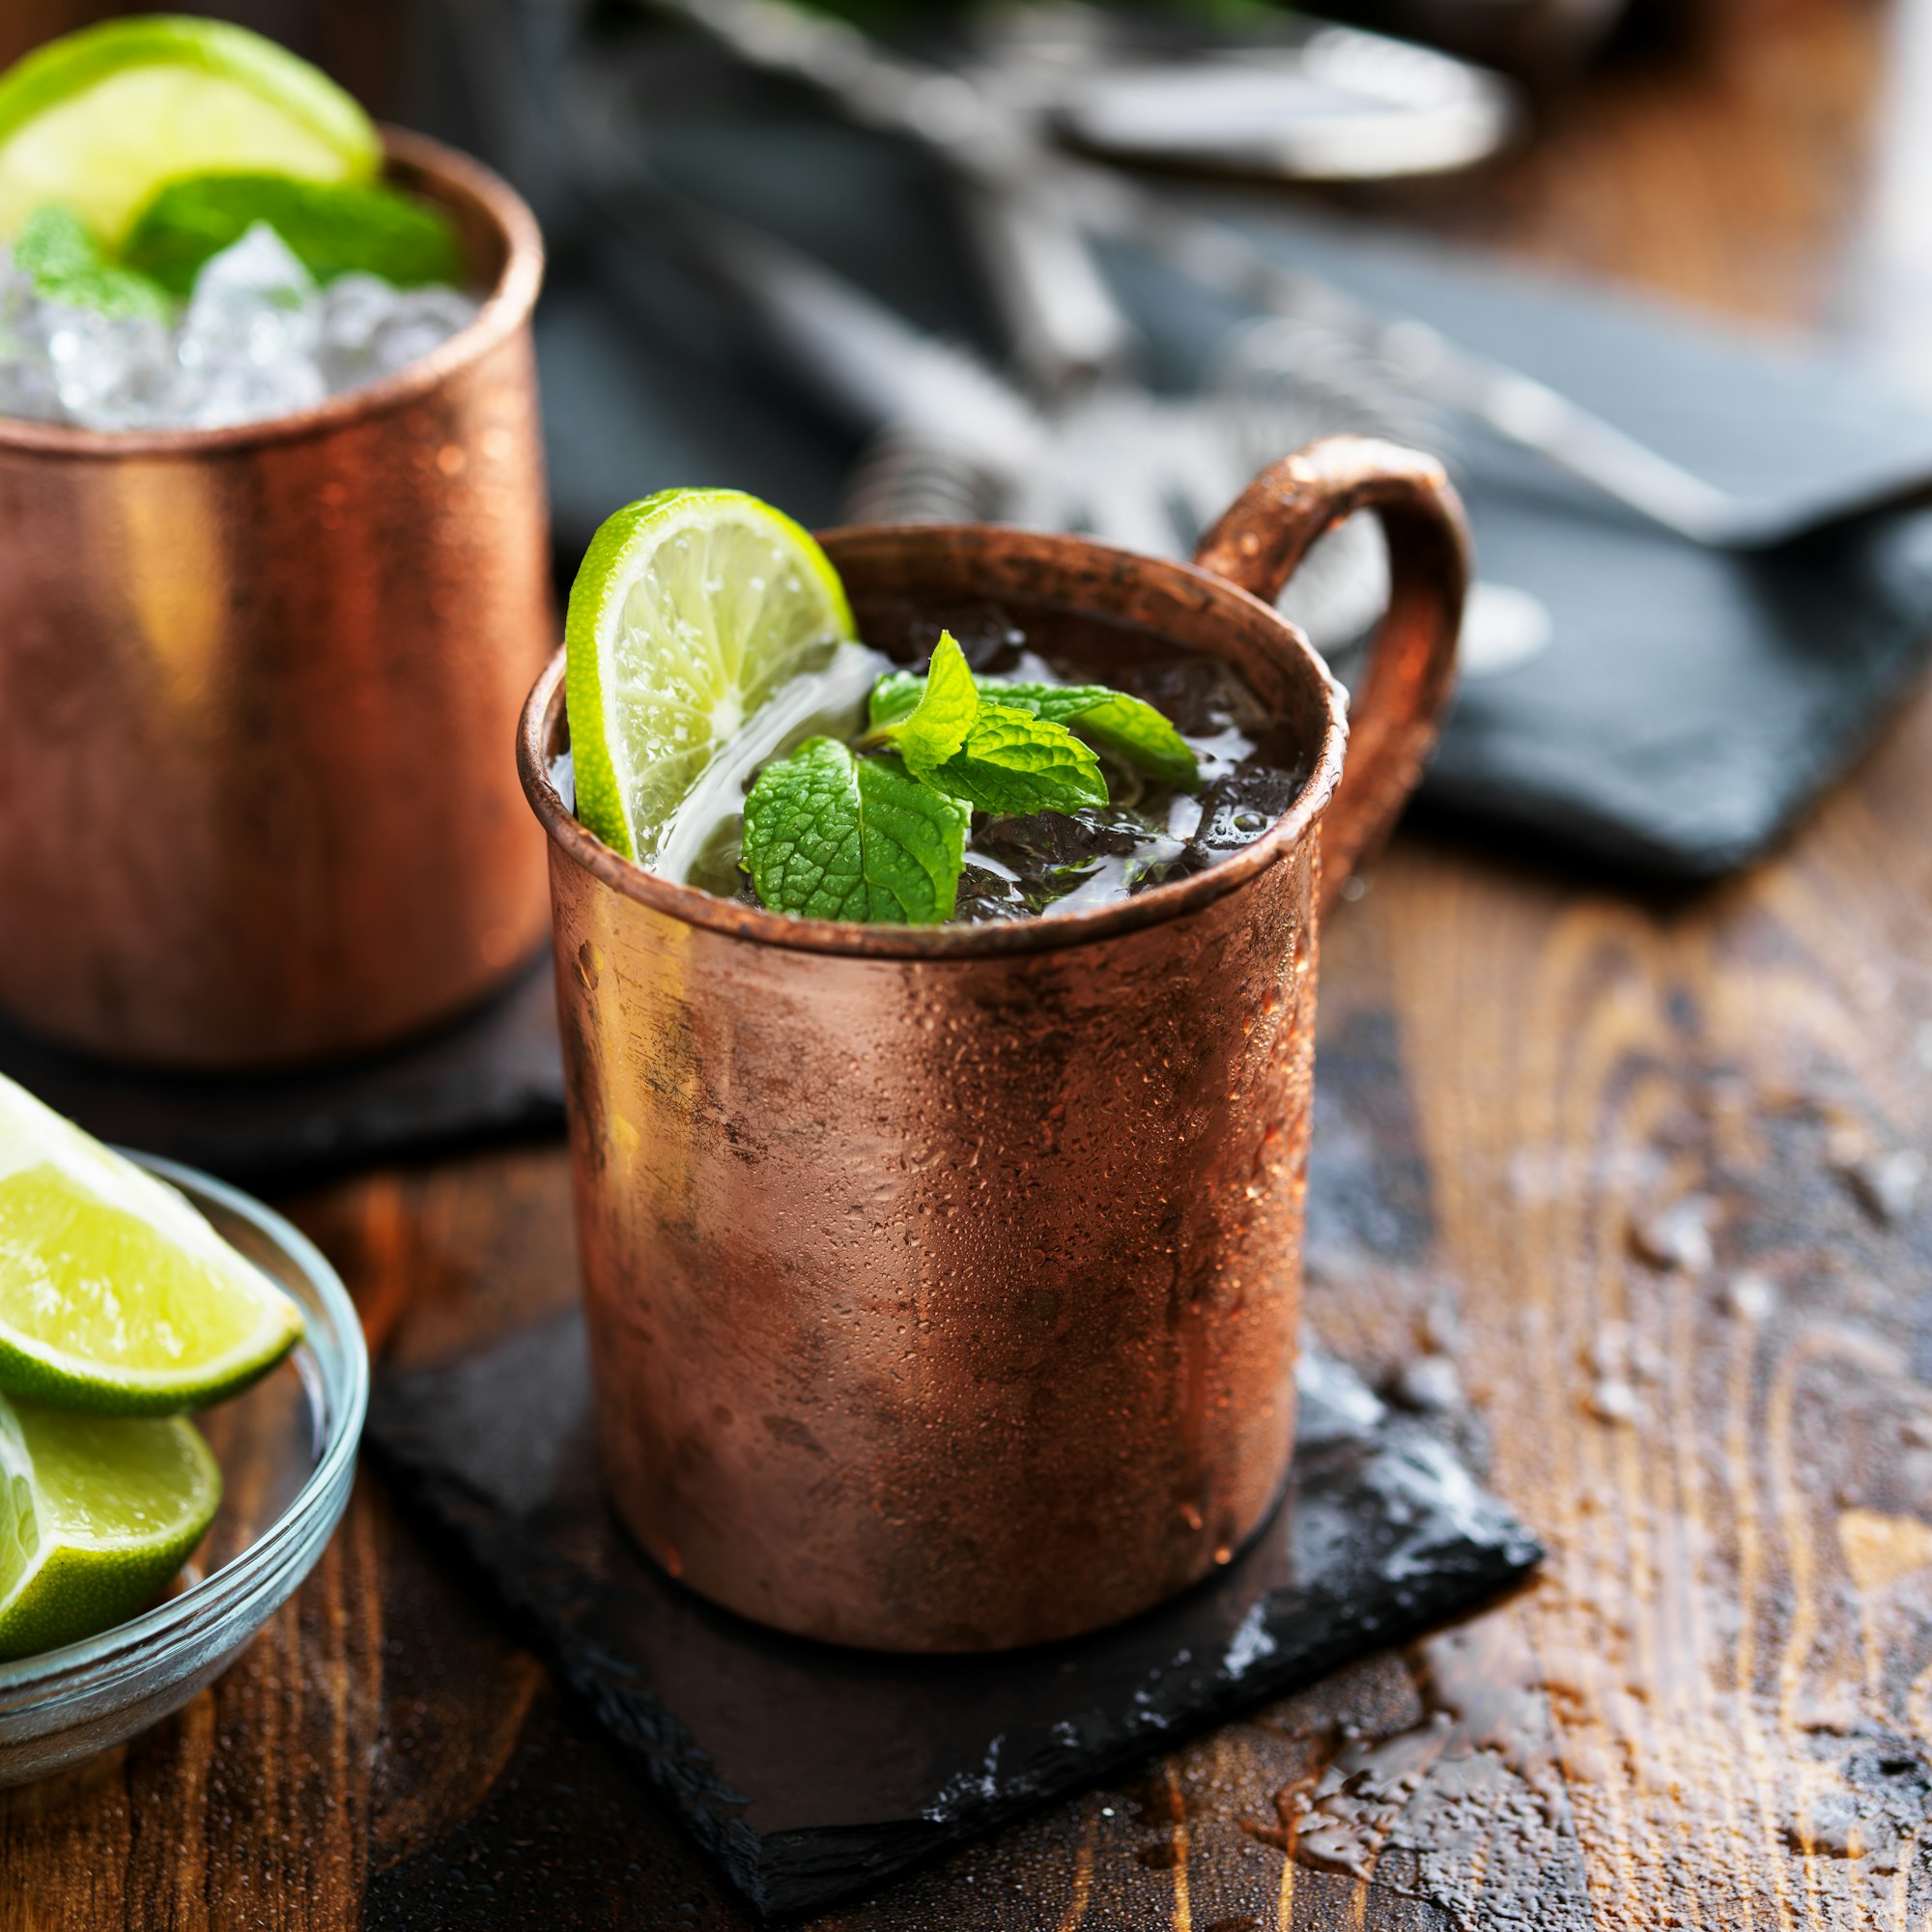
(692,905)
(505,309)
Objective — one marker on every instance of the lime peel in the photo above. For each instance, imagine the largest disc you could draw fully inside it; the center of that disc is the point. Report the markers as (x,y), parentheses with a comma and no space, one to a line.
(96,1513)
(98,120)
(692,608)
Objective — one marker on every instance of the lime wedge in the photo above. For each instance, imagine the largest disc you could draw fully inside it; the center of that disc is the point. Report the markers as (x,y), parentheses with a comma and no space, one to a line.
(96,1513)
(690,610)
(98,121)
(116,1295)
(332,228)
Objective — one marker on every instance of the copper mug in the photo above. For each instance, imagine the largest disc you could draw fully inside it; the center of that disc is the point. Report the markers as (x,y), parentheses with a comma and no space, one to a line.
(943,1282)
(257,687)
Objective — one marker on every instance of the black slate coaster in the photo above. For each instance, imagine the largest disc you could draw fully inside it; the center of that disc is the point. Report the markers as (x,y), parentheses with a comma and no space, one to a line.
(1692,704)
(811,1772)
(494,1073)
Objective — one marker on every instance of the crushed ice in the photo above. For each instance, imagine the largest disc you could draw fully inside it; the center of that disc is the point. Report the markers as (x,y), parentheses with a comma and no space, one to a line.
(257,338)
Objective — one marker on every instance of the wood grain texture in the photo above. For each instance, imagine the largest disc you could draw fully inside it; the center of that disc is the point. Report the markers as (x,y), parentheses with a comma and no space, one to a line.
(1713,1708)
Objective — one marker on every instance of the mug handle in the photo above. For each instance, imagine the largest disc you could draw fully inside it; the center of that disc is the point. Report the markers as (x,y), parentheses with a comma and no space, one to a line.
(1262,537)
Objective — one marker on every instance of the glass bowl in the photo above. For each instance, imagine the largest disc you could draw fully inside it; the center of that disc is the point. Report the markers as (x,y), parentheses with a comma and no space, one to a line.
(287,1449)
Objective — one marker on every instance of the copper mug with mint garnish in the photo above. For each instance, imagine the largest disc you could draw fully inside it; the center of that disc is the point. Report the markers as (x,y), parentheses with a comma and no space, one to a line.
(938,1013)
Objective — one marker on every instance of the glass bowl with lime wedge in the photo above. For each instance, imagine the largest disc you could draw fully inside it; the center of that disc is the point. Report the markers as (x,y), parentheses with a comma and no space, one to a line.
(283,1457)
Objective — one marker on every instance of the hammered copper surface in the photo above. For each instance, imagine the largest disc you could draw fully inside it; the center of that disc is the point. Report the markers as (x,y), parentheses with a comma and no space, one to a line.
(944,1283)
(256,692)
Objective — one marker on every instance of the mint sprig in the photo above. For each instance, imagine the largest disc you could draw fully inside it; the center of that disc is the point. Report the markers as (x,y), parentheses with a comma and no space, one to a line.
(1129,728)
(996,757)
(1015,763)
(879,833)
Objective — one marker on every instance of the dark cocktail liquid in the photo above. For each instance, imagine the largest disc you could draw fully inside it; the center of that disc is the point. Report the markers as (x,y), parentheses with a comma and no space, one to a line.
(1049,862)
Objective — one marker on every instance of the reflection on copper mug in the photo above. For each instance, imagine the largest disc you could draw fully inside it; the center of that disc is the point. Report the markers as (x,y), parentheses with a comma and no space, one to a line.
(257,688)
(943,1282)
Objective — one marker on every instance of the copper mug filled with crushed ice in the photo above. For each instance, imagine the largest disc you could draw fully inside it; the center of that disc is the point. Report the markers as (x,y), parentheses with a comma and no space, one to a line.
(258,679)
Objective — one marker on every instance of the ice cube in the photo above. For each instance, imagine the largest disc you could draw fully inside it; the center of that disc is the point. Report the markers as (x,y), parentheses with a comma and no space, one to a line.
(26,385)
(1092,856)
(1043,843)
(259,268)
(419,321)
(16,292)
(27,373)
(256,339)
(252,303)
(352,309)
(242,391)
(1203,696)
(1236,809)
(370,329)
(62,363)
(109,372)
(988,893)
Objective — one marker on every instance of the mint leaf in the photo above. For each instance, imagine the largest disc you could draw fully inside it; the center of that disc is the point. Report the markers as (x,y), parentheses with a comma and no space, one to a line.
(835,836)
(1128,726)
(897,696)
(997,758)
(54,242)
(118,293)
(913,842)
(68,265)
(332,228)
(941,720)
(1013,762)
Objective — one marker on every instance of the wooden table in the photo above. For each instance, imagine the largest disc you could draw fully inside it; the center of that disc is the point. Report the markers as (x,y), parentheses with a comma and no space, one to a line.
(1714,1709)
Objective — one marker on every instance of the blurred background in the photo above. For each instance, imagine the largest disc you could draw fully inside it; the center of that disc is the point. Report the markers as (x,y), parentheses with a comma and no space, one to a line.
(1091,266)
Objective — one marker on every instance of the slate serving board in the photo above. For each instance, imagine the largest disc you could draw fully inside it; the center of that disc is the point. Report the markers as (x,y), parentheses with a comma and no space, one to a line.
(811,1772)
(1692,702)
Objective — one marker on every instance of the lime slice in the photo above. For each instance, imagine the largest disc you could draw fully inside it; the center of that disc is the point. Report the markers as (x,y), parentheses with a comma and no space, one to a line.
(690,610)
(116,1295)
(96,1513)
(332,228)
(98,121)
